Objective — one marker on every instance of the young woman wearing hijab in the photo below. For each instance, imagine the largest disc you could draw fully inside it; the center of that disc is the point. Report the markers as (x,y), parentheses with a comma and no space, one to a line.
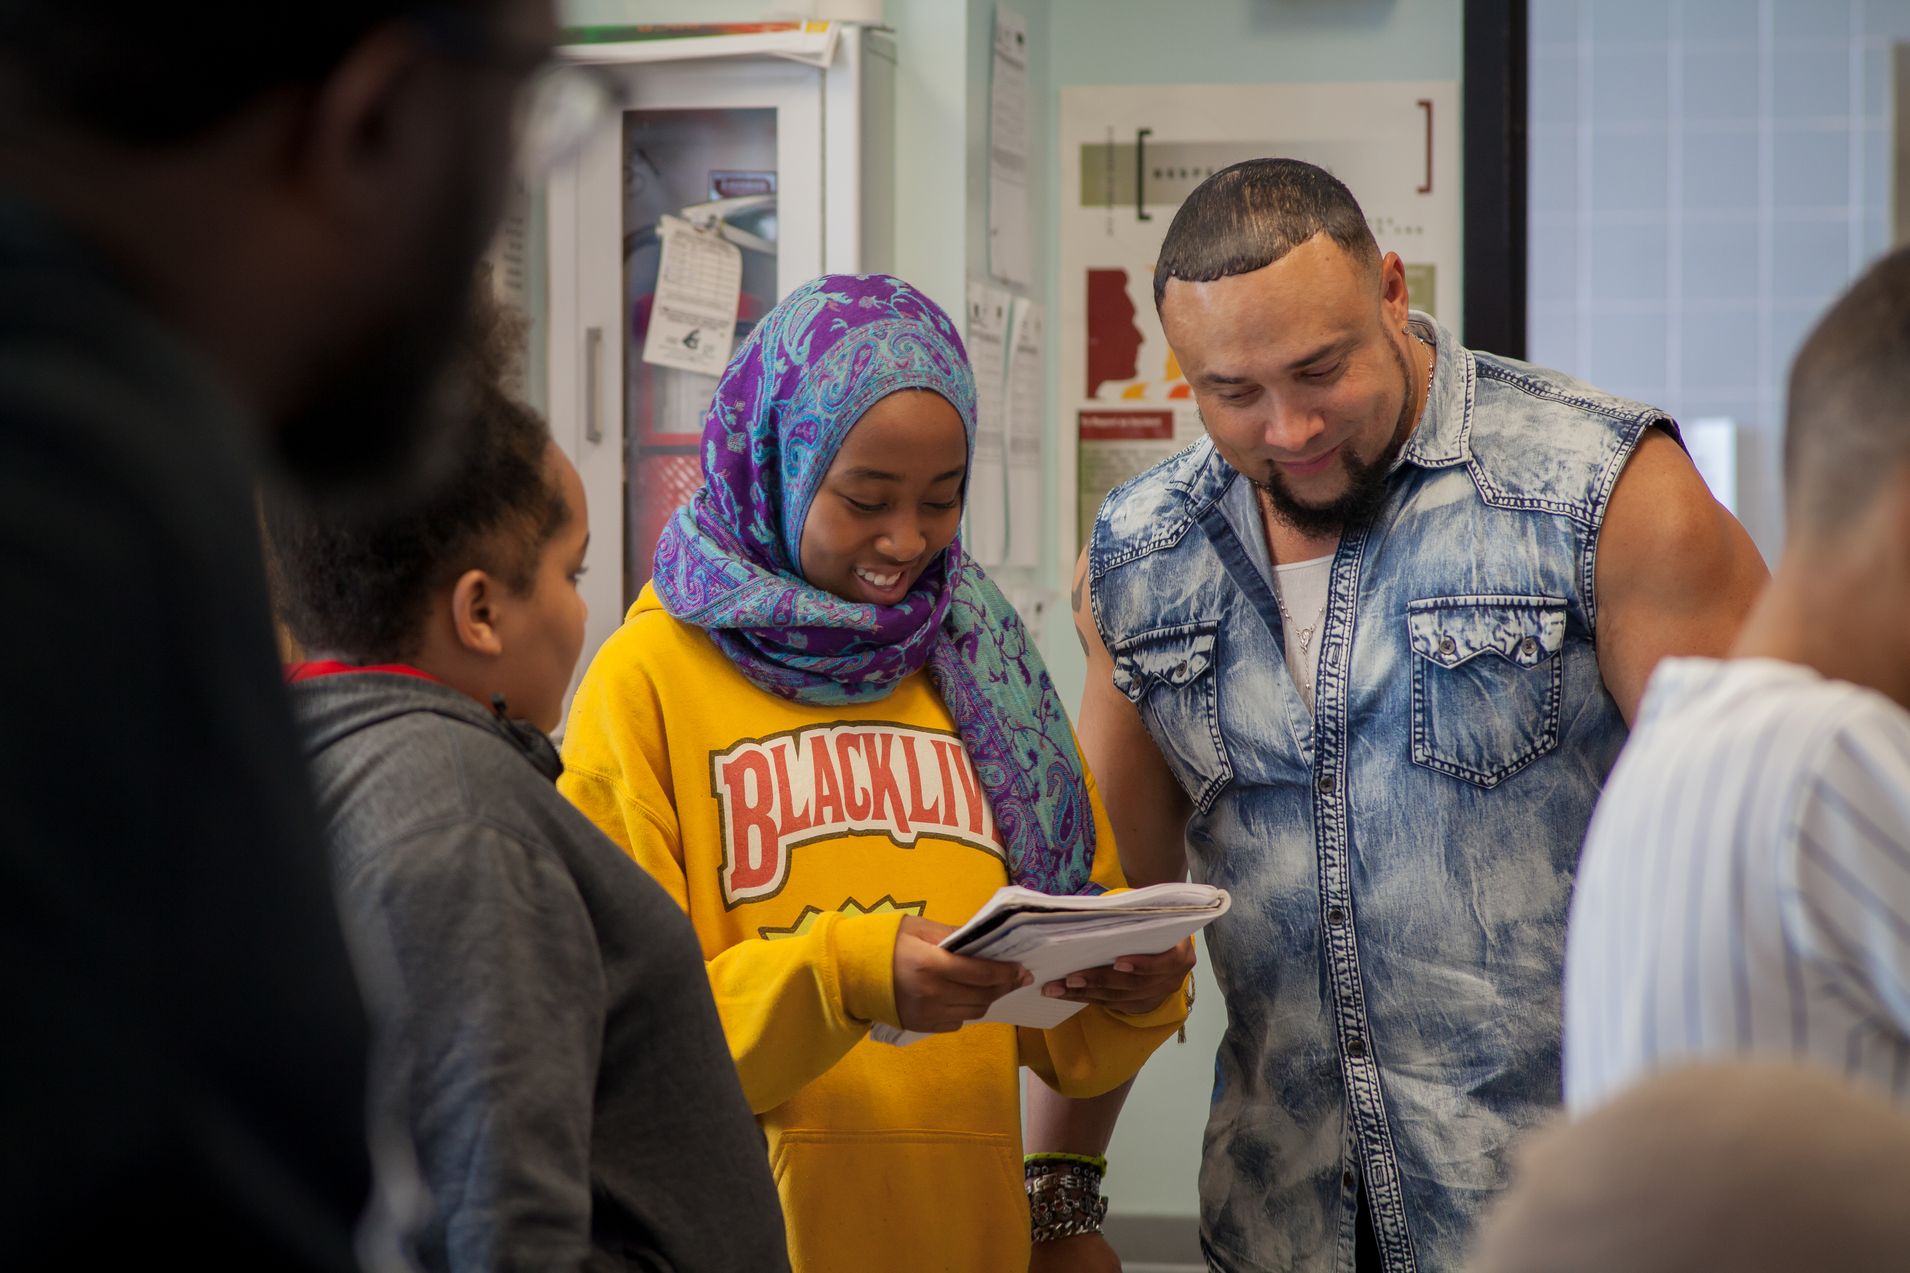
(829,736)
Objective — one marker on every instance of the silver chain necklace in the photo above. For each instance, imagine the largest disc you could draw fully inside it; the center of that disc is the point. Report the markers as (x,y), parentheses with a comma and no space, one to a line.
(1305,635)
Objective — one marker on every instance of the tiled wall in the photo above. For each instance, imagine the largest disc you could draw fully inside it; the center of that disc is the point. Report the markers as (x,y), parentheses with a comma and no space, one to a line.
(1706,175)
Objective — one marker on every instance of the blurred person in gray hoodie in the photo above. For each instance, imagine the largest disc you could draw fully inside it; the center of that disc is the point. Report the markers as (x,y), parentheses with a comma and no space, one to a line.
(552,1044)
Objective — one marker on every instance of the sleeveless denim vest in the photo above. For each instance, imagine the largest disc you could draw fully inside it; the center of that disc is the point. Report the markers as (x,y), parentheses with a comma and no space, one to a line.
(1401,857)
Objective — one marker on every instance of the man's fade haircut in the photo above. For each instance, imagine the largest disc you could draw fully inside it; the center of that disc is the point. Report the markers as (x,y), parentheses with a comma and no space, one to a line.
(359,582)
(1848,429)
(1247,216)
(141,72)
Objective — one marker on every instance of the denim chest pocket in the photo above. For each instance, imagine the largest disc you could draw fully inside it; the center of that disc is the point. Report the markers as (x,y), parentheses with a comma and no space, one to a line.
(1487,683)
(1170,674)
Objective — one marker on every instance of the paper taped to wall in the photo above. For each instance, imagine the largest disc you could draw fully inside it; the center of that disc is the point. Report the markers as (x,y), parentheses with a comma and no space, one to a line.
(699,284)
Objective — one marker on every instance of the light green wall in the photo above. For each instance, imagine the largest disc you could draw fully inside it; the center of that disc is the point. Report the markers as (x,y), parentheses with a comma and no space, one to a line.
(937,185)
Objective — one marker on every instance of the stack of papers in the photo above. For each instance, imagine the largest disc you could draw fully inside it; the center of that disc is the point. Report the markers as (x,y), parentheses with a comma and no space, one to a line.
(1054,936)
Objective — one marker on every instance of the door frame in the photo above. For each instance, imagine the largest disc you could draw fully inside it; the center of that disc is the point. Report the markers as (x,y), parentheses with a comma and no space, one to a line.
(1497,53)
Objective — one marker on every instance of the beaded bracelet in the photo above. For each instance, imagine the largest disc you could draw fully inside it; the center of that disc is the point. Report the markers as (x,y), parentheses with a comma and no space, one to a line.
(1064,1194)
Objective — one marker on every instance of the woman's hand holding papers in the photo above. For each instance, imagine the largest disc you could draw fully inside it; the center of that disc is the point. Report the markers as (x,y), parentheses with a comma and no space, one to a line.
(935,991)
(1133,984)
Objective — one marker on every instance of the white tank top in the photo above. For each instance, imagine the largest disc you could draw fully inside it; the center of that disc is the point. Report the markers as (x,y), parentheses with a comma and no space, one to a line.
(1302,588)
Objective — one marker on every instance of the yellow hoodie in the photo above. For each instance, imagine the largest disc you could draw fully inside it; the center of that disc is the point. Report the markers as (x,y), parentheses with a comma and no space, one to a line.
(796,838)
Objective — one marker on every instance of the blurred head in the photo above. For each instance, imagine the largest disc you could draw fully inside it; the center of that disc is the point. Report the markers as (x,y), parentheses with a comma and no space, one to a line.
(1291,330)
(1752,1167)
(1847,441)
(473,580)
(305,196)
(890,502)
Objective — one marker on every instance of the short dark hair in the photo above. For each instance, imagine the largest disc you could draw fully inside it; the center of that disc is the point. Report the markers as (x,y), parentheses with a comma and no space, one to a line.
(358,582)
(1247,216)
(1847,429)
(144,72)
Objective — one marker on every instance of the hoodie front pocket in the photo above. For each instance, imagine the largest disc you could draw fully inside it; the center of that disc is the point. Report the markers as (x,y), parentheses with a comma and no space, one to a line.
(901,1200)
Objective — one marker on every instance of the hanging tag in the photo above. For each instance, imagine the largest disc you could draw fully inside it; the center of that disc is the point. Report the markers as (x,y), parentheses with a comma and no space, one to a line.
(699,286)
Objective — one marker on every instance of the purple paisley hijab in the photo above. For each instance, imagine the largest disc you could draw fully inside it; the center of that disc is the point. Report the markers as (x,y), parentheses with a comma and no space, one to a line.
(729,562)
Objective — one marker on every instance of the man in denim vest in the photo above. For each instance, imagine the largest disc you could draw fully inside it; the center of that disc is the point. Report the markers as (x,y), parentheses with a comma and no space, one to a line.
(1363,656)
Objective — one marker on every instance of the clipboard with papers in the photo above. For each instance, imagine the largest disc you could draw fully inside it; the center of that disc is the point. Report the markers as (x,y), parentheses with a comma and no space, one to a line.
(1054,936)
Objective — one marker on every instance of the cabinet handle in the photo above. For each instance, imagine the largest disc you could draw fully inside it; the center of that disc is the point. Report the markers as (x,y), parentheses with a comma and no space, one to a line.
(593,358)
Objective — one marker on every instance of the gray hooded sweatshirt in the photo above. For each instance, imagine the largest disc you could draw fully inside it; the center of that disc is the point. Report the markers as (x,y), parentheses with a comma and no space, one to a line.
(550,1040)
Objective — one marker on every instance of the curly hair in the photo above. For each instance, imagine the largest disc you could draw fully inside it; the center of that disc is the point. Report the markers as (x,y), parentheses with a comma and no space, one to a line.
(358,583)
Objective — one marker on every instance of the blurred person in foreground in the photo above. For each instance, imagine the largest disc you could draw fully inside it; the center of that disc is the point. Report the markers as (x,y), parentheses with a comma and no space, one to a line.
(1755,1167)
(230,243)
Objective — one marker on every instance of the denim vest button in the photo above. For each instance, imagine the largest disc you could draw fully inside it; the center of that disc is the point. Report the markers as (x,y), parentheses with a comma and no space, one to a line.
(1529,647)
(1356,1047)
(1447,646)
(1336,915)
(1326,784)
(1346,1179)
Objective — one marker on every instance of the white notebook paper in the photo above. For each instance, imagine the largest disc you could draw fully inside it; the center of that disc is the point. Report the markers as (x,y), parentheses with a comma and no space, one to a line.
(1054,936)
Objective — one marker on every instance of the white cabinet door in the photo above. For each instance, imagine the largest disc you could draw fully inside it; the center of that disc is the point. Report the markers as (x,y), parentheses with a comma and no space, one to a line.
(690,133)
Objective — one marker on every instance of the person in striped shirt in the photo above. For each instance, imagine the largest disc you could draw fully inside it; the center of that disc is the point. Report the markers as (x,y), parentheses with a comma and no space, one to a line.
(1745,886)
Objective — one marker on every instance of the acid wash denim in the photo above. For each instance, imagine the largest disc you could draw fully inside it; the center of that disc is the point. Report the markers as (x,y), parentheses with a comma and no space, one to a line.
(1401,857)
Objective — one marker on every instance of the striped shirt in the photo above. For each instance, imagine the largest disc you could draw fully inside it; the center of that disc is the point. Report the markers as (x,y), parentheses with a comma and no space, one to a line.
(1745,887)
